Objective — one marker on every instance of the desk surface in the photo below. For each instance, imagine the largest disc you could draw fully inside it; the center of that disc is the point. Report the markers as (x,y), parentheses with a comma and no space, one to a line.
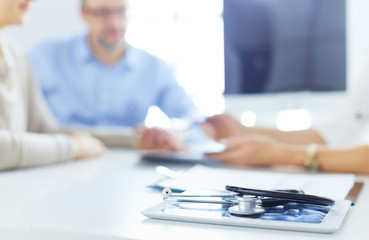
(102,199)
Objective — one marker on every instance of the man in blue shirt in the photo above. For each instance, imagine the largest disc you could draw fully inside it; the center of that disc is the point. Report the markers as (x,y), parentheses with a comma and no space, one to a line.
(98,79)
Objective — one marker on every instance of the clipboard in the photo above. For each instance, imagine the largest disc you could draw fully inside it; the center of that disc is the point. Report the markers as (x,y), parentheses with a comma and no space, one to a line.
(354,192)
(291,217)
(333,216)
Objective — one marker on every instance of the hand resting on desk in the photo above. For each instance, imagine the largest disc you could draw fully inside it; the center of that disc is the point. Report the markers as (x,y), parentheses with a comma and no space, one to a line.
(86,146)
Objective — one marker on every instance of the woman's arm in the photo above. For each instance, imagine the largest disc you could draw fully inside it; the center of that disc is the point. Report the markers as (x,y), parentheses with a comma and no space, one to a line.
(19,150)
(225,126)
(290,137)
(39,143)
(257,150)
(348,160)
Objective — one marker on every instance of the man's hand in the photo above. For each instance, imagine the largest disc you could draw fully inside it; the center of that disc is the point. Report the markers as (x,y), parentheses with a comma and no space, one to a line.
(158,138)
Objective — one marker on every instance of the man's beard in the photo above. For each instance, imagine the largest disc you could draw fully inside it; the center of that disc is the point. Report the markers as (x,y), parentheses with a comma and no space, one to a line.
(110,47)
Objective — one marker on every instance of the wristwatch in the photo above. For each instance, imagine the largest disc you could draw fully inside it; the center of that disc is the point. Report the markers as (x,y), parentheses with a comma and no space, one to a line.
(310,162)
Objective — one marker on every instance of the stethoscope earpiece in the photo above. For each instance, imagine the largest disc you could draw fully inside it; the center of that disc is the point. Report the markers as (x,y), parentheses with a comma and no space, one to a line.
(166,192)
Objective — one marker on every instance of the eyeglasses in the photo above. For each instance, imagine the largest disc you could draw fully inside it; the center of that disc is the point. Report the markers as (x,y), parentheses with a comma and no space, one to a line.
(105,13)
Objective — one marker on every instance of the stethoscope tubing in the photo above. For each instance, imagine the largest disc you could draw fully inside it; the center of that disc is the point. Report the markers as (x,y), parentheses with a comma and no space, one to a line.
(264,198)
(184,200)
(286,196)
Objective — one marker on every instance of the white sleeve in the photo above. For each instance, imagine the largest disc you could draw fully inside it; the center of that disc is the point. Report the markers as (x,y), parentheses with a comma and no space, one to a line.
(348,127)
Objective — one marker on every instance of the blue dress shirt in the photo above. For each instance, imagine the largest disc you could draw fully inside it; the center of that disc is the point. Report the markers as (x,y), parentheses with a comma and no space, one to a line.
(81,90)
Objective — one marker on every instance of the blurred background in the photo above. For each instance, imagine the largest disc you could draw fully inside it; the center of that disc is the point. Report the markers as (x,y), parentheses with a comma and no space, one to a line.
(203,40)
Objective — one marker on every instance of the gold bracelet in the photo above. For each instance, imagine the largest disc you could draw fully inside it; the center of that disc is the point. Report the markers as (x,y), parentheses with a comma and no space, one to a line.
(310,162)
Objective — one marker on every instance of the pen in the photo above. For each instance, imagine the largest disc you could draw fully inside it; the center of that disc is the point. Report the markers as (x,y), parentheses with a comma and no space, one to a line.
(195,124)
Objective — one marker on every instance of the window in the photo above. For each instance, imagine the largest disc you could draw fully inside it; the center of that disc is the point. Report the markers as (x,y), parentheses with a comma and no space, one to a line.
(189,35)
(285,45)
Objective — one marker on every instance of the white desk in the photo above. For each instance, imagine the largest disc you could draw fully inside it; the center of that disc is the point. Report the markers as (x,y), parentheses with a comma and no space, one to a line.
(102,199)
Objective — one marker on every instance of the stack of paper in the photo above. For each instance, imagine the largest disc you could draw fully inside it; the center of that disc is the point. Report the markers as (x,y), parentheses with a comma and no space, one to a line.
(334,186)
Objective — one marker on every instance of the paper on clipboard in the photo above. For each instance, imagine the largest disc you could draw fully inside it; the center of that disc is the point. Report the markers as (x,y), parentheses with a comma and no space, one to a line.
(334,186)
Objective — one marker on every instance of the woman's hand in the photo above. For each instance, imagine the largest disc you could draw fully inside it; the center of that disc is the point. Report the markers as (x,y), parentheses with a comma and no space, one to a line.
(250,150)
(86,146)
(223,126)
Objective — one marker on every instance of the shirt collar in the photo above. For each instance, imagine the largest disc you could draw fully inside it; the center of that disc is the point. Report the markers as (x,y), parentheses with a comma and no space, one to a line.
(85,54)
(83,50)
(129,58)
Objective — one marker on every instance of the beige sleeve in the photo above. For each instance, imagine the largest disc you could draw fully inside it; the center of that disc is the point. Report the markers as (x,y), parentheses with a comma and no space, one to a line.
(40,118)
(33,147)
(19,150)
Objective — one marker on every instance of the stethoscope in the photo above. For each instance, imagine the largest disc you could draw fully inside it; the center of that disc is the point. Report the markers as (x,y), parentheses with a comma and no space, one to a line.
(247,201)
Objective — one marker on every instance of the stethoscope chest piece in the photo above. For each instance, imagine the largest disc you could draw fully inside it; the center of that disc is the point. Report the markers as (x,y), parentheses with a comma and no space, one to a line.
(247,206)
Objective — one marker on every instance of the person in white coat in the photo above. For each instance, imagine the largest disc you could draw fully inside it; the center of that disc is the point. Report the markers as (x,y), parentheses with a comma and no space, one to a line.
(338,145)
